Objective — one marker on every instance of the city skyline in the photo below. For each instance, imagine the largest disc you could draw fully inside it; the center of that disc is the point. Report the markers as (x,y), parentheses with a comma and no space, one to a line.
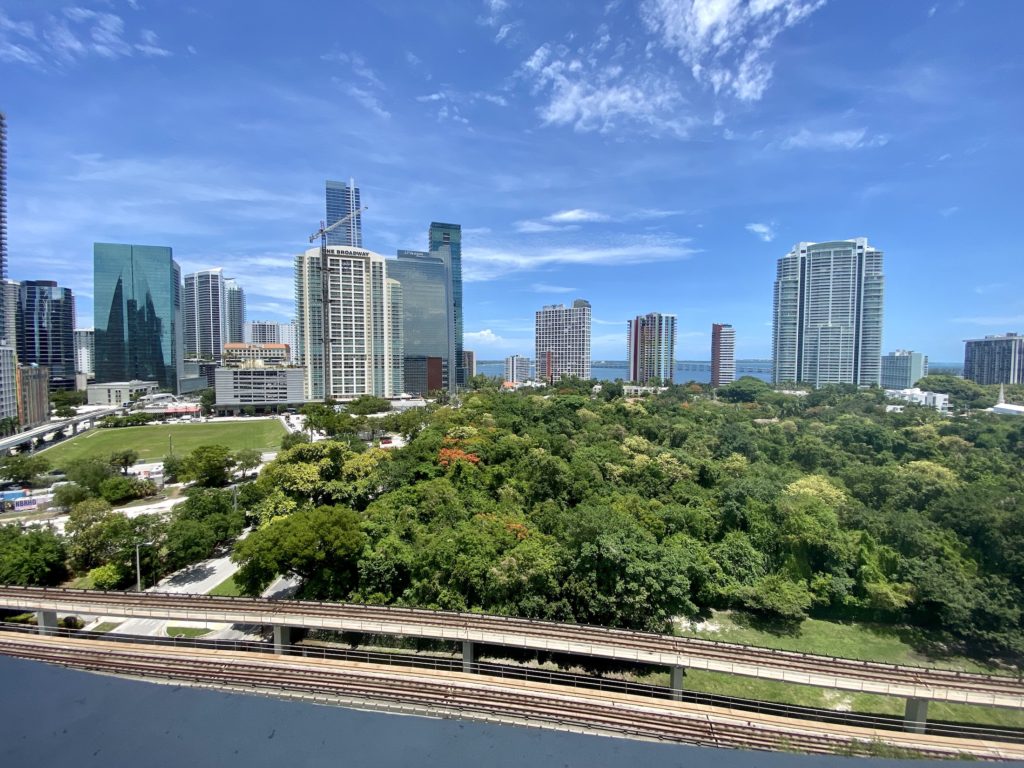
(519,149)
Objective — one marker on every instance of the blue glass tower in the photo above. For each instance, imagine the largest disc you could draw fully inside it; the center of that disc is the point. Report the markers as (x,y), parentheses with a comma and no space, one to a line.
(446,244)
(343,199)
(137,305)
(428,325)
(46,330)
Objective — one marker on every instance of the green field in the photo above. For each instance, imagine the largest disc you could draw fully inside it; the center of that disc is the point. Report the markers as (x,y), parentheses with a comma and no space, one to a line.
(848,640)
(154,442)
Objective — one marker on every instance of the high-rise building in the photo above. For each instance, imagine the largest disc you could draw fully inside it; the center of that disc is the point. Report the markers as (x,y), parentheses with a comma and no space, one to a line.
(342,200)
(234,303)
(270,332)
(902,369)
(8,388)
(469,363)
(137,306)
(446,243)
(995,359)
(85,351)
(204,314)
(423,375)
(651,347)
(517,369)
(723,354)
(429,323)
(3,199)
(827,315)
(10,290)
(348,292)
(46,330)
(562,341)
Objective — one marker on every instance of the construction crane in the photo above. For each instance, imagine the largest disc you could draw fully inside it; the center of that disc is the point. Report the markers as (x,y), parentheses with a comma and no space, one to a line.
(322,232)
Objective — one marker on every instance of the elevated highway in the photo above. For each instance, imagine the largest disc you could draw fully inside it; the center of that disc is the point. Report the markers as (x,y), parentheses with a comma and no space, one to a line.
(918,685)
(453,694)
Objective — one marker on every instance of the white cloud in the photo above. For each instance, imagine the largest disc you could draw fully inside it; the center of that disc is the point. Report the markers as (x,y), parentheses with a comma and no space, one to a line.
(486,336)
(368,100)
(947,212)
(488,263)
(548,288)
(150,45)
(534,227)
(765,231)
(855,138)
(591,97)
(575,215)
(726,42)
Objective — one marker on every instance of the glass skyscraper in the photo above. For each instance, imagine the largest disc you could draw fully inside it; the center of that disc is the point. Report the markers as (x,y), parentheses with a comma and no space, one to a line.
(3,216)
(204,314)
(234,302)
(46,330)
(137,306)
(429,328)
(446,244)
(827,315)
(343,199)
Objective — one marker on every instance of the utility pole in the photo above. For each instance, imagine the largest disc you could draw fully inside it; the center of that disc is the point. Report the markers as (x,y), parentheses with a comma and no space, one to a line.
(138,569)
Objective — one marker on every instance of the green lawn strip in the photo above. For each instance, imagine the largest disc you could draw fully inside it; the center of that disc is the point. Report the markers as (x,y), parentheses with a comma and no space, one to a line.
(187,631)
(153,442)
(227,588)
(106,626)
(830,638)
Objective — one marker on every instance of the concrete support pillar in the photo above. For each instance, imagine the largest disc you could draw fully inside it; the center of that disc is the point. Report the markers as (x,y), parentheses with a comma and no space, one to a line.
(46,621)
(676,682)
(283,637)
(915,716)
(467,656)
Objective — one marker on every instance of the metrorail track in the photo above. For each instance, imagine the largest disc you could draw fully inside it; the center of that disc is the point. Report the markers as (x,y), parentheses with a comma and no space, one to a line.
(542,635)
(473,696)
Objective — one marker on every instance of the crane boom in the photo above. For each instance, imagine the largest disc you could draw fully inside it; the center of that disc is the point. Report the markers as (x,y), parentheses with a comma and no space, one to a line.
(321,233)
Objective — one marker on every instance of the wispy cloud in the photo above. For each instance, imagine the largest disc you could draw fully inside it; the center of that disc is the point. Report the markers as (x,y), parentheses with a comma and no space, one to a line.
(575,216)
(367,99)
(591,96)
(548,288)
(764,231)
(947,212)
(1002,321)
(726,42)
(488,263)
(854,138)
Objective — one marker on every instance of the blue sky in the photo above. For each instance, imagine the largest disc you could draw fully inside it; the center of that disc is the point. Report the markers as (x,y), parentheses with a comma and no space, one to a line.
(646,155)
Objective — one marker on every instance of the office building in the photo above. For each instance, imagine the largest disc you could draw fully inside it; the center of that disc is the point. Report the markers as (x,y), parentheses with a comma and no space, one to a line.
(10,289)
(258,387)
(995,359)
(85,351)
(902,369)
(262,354)
(46,330)
(827,314)
(446,244)
(469,363)
(33,384)
(342,200)
(723,354)
(517,369)
(119,392)
(137,305)
(362,351)
(562,341)
(429,324)
(270,332)
(234,302)
(936,400)
(651,347)
(424,375)
(8,388)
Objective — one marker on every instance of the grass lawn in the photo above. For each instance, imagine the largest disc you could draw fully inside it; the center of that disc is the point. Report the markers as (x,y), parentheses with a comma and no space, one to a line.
(226,588)
(152,442)
(187,631)
(849,640)
(106,626)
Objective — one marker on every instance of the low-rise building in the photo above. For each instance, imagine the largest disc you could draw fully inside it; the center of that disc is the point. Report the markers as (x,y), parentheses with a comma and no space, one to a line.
(119,392)
(33,395)
(936,400)
(258,386)
(269,353)
(517,369)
